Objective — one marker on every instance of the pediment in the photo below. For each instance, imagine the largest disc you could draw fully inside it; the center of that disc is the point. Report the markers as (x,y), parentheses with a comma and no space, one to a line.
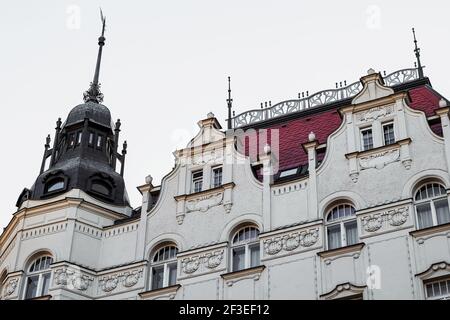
(373,88)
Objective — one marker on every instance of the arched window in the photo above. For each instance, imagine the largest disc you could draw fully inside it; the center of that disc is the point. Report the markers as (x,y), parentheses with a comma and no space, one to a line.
(101,187)
(164,267)
(341,226)
(245,248)
(38,277)
(55,185)
(431,204)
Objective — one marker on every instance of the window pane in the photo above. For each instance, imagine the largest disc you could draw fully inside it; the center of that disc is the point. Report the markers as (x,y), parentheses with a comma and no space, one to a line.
(424,217)
(351,233)
(217,177)
(172,274)
(367,139)
(429,290)
(157,277)
(254,256)
(388,132)
(31,290)
(334,237)
(442,212)
(238,258)
(45,284)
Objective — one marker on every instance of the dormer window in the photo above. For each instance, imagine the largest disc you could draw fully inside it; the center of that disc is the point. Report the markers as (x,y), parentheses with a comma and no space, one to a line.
(366,139)
(217,177)
(55,185)
(91,138)
(388,133)
(101,187)
(197,181)
(71,140)
(79,134)
(99,141)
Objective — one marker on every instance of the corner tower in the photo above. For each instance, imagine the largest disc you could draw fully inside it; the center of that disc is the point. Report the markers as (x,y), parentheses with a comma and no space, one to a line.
(84,154)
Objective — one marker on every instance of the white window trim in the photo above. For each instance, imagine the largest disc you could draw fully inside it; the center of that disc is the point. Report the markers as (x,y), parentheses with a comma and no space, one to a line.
(246,245)
(40,275)
(213,177)
(384,124)
(165,264)
(441,297)
(343,233)
(198,179)
(433,209)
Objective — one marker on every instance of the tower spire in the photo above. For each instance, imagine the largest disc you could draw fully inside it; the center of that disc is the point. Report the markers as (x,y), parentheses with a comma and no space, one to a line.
(94,94)
(229,103)
(417,52)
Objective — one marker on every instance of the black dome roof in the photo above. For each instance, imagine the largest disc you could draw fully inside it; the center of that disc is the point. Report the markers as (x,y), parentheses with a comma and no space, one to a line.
(96,112)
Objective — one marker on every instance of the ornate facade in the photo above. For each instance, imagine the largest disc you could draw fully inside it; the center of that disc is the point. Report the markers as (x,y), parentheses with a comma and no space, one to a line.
(341,194)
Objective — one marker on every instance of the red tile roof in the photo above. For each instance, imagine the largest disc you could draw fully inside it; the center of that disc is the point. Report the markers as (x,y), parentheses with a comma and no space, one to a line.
(293,133)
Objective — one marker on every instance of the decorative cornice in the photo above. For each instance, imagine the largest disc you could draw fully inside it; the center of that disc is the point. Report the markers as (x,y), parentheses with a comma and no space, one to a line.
(167,291)
(435,267)
(344,290)
(442,111)
(196,195)
(251,273)
(374,151)
(341,251)
(380,102)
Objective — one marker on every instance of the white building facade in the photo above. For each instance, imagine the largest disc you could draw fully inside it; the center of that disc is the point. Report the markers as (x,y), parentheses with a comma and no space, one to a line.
(340,195)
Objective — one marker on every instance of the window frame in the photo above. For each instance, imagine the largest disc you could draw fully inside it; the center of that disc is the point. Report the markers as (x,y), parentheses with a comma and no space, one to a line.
(40,274)
(247,245)
(213,176)
(385,124)
(341,222)
(438,281)
(431,201)
(361,133)
(166,264)
(195,180)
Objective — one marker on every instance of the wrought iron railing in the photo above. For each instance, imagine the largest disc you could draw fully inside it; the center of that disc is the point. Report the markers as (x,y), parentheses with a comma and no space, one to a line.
(320,98)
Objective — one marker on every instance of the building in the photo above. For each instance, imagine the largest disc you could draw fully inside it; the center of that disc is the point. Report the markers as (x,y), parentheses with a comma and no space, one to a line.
(342,194)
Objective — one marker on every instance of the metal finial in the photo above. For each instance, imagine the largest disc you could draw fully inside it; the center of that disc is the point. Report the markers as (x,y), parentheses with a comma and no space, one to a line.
(94,94)
(417,52)
(229,103)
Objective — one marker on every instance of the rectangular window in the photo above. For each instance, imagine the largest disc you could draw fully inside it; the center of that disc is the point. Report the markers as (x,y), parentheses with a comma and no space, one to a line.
(351,233)
(45,284)
(157,277)
(334,237)
(424,215)
(442,212)
(217,177)
(388,133)
(254,255)
(91,138)
(99,141)
(71,139)
(79,135)
(238,258)
(438,289)
(172,268)
(197,181)
(367,139)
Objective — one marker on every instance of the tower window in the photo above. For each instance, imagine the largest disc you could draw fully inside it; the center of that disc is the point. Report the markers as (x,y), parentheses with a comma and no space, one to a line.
(54,185)
(197,181)
(388,133)
(91,138)
(217,177)
(99,141)
(101,187)
(79,135)
(366,139)
(71,139)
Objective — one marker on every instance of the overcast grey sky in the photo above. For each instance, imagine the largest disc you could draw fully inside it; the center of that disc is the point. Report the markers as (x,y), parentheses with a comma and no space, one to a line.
(165,66)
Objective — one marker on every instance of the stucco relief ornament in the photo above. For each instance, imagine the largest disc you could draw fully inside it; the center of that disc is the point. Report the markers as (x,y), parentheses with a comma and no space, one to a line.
(11,287)
(375,113)
(273,246)
(379,160)
(132,278)
(214,260)
(398,216)
(354,176)
(291,242)
(81,282)
(109,284)
(190,265)
(180,218)
(309,238)
(372,223)
(61,277)
(227,207)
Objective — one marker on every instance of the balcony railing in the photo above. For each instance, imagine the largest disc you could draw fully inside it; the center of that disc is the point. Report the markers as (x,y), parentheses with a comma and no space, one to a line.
(318,99)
